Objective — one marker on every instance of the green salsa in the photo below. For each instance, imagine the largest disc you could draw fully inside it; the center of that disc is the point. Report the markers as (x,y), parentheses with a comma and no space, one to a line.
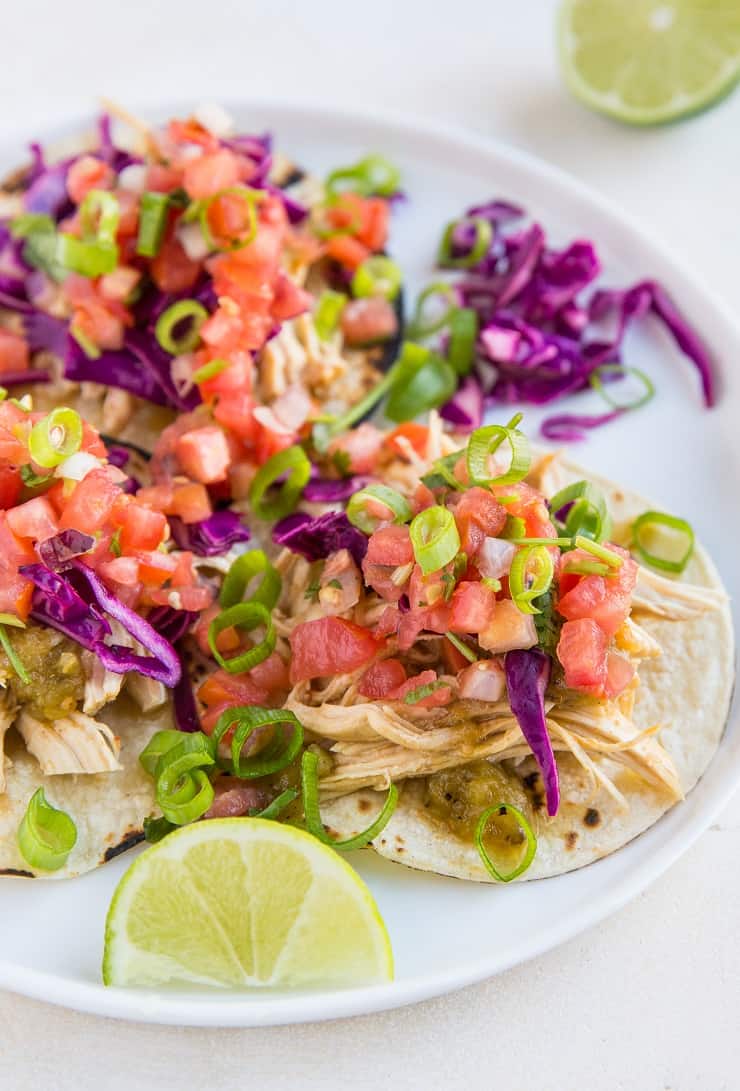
(56,680)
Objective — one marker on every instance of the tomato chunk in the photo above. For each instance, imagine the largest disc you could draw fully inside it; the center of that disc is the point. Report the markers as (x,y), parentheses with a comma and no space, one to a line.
(382,678)
(15,590)
(582,652)
(329,646)
(91,503)
(436,699)
(604,599)
(472,607)
(204,454)
(35,519)
(141,528)
(478,515)
(389,550)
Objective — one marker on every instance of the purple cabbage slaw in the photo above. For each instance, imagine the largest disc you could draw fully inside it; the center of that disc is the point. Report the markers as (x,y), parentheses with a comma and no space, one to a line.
(212,536)
(539,338)
(527,675)
(316,538)
(140,367)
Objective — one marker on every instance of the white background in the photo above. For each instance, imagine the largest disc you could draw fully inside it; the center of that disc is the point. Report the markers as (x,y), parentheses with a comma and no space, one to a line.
(649,1000)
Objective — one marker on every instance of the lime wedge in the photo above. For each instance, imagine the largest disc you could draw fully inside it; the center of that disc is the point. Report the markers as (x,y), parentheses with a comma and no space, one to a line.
(649,61)
(243,902)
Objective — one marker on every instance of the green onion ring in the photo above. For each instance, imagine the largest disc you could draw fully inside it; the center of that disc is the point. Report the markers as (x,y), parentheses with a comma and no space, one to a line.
(378,275)
(100,214)
(312,813)
(423,381)
(240,575)
(442,473)
(435,538)
(247,616)
(531,849)
(248,718)
(54,438)
(185,799)
(160,743)
(251,198)
(530,576)
(485,441)
(328,312)
(586,568)
(356,508)
(46,835)
(588,514)
(294,462)
(278,805)
(415,695)
(210,370)
(420,327)
(595,381)
(155,829)
(461,646)
(372,176)
(153,215)
(608,556)
(483,237)
(463,335)
(661,519)
(164,330)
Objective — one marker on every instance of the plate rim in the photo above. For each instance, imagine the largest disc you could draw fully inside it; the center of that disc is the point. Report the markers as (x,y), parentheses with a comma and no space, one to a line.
(225,1009)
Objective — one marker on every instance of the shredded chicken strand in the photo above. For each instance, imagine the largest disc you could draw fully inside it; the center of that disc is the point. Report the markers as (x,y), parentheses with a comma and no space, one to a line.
(74,744)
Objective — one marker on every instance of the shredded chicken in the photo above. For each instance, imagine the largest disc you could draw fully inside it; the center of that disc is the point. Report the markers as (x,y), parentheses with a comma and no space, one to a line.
(75,744)
(632,638)
(672,599)
(7,716)
(101,686)
(147,692)
(118,408)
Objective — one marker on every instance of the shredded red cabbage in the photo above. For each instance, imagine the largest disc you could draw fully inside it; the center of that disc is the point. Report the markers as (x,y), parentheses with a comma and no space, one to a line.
(76,602)
(572,427)
(465,407)
(212,536)
(527,675)
(328,490)
(317,538)
(57,552)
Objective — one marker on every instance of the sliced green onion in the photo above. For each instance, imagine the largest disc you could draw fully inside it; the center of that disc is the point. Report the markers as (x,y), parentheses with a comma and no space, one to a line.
(442,473)
(586,568)
(372,176)
(422,325)
(185,310)
(531,574)
(377,276)
(247,616)
(588,514)
(595,379)
(183,789)
(31,223)
(100,214)
(240,575)
(13,657)
(651,519)
(359,516)
(461,646)
(479,249)
(293,462)
(276,755)
(46,835)
(504,809)
(86,343)
(415,695)
(40,250)
(463,334)
(250,199)
(31,479)
(155,829)
(608,556)
(153,215)
(312,813)
(55,438)
(421,380)
(328,313)
(160,743)
(12,620)
(561,543)
(210,370)
(484,443)
(278,805)
(492,583)
(89,259)
(435,538)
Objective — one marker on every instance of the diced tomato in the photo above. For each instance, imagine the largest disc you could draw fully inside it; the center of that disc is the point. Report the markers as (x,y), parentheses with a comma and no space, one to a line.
(119,284)
(619,674)
(155,567)
(605,599)
(206,175)
(530,506)
(191,503)
(191,132)
(91,441)
(158,497)
(195,598)
(271,674)
(237,377)
(235,411)
(204,454)
(362,446)
(172,270)
(35,519)
(15,590)
(91,502)
(88,173)
(226,641)
(329,646)
(14,423)
(10,486)
(376,220)
(412,432)
(472,607)
(368,321)
(163,179)
(382,678)
(478,515)
(347,251)
(222,690)
(269,442)
(388,549)
(14,352)
(289,299)
(387,623)
(423,498)
(508,629)
(123,570)
(436,699)
(454,661)
(141,528)
(582,653)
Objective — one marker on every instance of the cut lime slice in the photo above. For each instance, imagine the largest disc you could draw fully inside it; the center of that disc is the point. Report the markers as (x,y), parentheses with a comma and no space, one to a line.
(649,61)
(243,902)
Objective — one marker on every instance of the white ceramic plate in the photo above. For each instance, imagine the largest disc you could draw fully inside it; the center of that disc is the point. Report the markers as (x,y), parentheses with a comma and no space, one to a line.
(446,933)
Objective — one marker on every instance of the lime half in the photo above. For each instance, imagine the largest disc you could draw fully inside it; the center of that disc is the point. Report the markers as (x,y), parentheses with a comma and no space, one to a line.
(649,61)
(243,902)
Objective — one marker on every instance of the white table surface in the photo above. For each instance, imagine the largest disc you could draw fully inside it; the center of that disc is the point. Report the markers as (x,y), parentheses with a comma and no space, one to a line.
(650,999)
